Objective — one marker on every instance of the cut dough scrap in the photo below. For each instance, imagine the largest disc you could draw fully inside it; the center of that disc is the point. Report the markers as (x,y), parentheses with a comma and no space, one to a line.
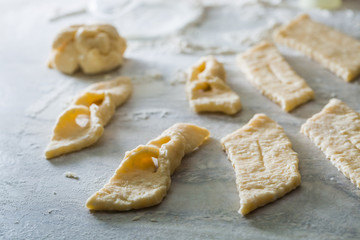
(91,48)
(334,50)
(266,167)
(82,124)
(206,88)
(336,131)
(268,71)
(143,176)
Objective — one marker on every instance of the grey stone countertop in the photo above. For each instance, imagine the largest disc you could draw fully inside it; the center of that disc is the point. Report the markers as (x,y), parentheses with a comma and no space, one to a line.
(38,202)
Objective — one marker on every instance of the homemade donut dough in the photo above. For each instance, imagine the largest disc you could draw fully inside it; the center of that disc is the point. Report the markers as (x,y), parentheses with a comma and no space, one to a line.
(266,167)
(143,176)
(334,50)
(206,88)
(268,71)
(336,131)
(91,48)
(82,124)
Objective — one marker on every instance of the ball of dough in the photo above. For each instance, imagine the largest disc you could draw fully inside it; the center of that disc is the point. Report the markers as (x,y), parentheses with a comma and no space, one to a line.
(91,48)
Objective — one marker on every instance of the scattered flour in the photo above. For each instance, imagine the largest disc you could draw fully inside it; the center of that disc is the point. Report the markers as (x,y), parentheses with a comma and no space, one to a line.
(44,102)
(144,115)
(179,77)
(187,47)
(255,36)
(151,75)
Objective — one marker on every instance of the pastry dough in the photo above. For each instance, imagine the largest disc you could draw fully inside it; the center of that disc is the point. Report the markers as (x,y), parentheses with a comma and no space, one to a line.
(332,49)
(143,176)
(206,88)
(82,124)
(91,48)
(336,131)
(266,167)
(268,71)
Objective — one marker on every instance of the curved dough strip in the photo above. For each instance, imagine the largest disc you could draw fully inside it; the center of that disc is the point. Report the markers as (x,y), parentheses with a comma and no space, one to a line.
(266,167)
(82,124)
(206,88)
(143,176)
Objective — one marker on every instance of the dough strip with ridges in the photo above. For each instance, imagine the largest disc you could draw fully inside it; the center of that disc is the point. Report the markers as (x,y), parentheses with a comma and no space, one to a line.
(266,167)
(336,131)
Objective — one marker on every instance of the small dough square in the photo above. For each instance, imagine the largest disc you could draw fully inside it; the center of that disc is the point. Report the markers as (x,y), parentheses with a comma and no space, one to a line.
(268,71)
(336,131)
(334,50)
(266,167)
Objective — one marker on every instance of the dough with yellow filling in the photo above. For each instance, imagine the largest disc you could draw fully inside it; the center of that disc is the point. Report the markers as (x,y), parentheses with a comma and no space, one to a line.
(91,48)
(82,124)
(207,90)
(143,177)
(268,71)
(336,131)
(266,167)
(334,50)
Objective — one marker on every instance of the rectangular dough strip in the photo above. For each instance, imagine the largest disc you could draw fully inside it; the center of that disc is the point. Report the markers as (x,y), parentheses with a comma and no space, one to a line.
(268,71)
(334,50)
(336,131)
(266,167)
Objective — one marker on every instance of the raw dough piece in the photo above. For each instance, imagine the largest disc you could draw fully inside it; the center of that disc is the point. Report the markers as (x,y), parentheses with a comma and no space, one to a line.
(268,71)
(91,48)
(334,50)
(143,176)
(336,131)
(206,88)
(82,124)
(266,167)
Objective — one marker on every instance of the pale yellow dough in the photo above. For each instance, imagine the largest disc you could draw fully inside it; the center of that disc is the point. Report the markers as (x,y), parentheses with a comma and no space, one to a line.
(91,48)
(266,167)
(82,124)
(336,131)
(143,176)
(268,71)
(334,50)
(206,88)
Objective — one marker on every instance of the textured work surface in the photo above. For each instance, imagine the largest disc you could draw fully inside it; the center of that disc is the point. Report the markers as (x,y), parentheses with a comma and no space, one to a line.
(38,202)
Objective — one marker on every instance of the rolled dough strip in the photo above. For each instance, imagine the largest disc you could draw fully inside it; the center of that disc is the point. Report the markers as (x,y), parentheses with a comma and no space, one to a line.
(336,131)
(266,167)
(268,71)
(143,177)
(334,50)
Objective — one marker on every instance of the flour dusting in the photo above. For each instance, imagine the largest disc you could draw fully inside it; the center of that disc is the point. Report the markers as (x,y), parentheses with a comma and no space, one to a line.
(179,77)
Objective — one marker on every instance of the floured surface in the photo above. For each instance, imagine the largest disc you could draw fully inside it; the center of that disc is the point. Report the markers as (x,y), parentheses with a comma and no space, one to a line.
(268,71)
(336,131)
(266,166)
(203,188)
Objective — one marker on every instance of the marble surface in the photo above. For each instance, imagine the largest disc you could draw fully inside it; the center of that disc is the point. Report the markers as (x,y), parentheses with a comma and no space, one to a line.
(38,202)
